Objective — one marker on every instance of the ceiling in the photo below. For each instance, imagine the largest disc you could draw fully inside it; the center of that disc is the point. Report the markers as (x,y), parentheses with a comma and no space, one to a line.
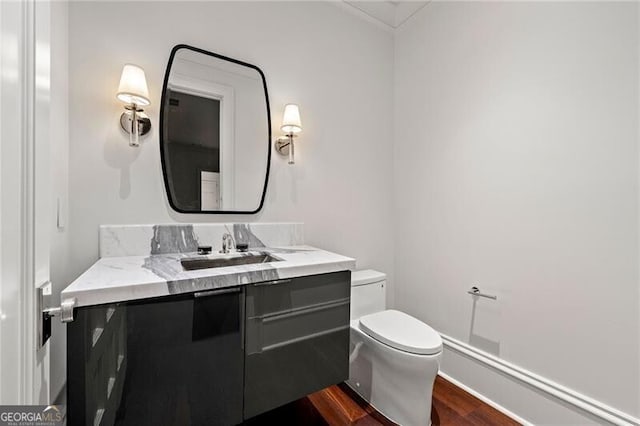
(388,12)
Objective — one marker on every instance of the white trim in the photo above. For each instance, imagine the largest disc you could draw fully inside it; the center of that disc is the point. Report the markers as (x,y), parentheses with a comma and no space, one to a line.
(389,14)
(28,381)
(14,369)
(484,399)
(27,232)
(363,15)
(2,341)
(540,383)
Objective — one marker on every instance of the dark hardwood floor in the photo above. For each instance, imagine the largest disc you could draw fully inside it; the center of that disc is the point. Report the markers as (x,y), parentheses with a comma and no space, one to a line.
(454,406)
(339,405)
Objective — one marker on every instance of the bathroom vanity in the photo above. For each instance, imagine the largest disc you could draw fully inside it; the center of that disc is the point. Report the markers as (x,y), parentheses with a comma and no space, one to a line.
(153,342)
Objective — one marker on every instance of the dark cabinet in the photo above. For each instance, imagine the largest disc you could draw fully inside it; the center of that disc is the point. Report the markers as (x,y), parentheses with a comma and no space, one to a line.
(207,358)
(297,339)
(174,360)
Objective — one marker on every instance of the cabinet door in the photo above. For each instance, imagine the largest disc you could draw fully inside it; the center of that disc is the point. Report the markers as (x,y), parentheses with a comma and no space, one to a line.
(297,339)
(169,361)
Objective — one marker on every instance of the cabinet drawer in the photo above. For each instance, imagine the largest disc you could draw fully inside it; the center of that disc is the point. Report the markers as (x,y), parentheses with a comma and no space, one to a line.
(285,295)
(289,372)
(297,339)
(273,330)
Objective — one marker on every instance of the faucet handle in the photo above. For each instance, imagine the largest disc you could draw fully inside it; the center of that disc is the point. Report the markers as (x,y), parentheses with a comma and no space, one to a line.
(227,242)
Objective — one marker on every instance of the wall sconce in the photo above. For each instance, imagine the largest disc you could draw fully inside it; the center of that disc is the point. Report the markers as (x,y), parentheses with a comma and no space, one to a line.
(291,125)
(134,93)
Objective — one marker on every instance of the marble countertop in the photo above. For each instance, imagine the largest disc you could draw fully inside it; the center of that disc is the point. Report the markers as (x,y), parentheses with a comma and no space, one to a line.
(119,279)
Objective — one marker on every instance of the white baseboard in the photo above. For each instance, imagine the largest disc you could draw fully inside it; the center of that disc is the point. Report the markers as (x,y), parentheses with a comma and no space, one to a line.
(542,384)
(484,399)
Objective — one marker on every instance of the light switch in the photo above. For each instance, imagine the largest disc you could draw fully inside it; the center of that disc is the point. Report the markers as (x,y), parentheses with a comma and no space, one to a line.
(61,214)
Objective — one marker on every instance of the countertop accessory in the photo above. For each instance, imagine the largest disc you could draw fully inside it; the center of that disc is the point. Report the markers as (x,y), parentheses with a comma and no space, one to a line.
(204,249)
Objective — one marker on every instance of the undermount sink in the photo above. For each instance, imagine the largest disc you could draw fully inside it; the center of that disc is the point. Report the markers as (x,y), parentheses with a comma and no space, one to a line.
(194,263)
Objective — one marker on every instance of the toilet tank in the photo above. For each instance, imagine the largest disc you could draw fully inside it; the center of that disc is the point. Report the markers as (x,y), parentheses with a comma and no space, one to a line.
(368,292)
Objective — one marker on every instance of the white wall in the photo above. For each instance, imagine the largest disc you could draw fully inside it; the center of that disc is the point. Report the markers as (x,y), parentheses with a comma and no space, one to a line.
(516,169)
(340,186)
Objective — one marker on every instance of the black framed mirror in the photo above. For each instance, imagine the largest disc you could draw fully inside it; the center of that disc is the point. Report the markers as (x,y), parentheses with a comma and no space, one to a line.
(215,133)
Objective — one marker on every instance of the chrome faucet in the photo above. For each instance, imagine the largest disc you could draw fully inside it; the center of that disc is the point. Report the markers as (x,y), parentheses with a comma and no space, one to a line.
(227,243)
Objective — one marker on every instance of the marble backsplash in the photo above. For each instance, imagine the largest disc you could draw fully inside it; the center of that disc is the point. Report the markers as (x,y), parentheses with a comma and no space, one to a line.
(144,240)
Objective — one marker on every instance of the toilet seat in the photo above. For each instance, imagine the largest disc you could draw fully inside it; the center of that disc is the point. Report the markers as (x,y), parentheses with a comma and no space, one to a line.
(402,332)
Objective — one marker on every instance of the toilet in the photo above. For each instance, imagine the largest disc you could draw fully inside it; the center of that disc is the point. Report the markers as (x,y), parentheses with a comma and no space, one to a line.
(394,357)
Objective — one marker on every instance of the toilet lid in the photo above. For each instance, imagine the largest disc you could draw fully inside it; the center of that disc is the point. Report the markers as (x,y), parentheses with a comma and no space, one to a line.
(402,331)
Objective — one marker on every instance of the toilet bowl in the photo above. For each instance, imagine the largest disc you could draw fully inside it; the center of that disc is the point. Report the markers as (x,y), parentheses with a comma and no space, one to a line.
(394,357)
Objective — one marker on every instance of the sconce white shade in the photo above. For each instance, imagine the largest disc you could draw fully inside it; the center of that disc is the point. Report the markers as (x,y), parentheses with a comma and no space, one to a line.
(291,119)
(133,86)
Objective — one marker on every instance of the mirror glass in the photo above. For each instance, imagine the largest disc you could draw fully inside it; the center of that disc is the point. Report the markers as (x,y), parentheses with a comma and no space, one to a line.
(215,133)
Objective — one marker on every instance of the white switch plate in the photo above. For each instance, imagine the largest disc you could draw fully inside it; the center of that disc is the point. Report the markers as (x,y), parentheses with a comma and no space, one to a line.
(61,215)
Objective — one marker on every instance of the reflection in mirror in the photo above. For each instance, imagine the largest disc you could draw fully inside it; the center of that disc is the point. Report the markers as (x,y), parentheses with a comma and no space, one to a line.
(215,133)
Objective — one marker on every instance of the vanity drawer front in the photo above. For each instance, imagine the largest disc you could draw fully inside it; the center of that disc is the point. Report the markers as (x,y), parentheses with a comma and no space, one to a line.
(297,339)
(286,373)
(284,295)
(274,330)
